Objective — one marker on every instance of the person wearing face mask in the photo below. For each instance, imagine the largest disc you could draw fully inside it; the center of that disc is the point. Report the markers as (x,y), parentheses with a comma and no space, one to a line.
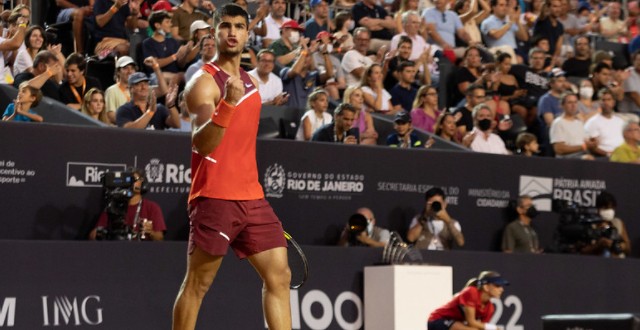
(481,138)
(587,107)
(519,236)
(434,228)
(615,242)
(372,236)
(290,45)
(329,66)
(344,25)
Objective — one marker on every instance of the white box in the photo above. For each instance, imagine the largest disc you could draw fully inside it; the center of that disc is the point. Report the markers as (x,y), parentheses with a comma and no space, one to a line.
(401,297)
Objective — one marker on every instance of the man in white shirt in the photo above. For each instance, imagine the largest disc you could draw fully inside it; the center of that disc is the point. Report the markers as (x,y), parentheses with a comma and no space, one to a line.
(605,127)
(567,134)
(356,61)
(411,24)
(481,138)
(269,84)
(274,21)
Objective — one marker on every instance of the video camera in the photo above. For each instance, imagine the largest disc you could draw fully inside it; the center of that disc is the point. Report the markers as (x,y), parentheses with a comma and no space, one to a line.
(581,226)
(357,224)
(118,190)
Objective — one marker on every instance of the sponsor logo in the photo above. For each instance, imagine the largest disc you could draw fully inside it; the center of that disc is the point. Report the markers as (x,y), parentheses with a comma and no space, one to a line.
(89,174)
(8,312)
(312,185)
(544,190)
(274,181)
(62,310)
(539,188)
(168,178)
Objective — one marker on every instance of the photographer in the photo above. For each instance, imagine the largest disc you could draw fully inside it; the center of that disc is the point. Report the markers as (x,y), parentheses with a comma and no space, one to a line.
(141,212)
(614,241)
(361,230)
(519,236)
(434,229)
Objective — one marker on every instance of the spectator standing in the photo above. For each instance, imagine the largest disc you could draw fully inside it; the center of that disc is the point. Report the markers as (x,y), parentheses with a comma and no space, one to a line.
(503,28)
(72,90)
(580,64)
(612,27)
(549,26)
(519,236)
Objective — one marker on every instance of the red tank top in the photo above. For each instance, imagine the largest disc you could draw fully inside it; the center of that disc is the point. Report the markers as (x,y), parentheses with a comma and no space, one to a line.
(230,172)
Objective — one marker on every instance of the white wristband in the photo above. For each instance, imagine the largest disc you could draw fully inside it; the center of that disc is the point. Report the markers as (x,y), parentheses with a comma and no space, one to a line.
(490,326)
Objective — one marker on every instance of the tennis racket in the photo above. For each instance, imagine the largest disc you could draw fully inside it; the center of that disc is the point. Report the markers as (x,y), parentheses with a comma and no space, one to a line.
(297,262)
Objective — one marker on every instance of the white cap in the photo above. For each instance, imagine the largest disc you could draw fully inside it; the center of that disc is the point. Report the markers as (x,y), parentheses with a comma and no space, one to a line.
(198,25)
(124,61)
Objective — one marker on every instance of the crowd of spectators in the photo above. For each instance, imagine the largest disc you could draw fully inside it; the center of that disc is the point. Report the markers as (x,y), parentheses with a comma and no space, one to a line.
(520,70)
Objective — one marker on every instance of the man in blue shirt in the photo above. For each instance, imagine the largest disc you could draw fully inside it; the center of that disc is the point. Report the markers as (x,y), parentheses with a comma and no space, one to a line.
(443,25)
(112,19)
(143,112)
(320,20)
(404,92)
(502,27)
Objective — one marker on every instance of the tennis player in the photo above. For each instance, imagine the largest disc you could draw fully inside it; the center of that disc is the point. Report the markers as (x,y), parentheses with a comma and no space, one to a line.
(471,308)
(226,202)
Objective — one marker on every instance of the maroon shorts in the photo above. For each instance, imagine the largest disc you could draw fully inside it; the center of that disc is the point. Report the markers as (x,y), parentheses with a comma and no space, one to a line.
(248,227)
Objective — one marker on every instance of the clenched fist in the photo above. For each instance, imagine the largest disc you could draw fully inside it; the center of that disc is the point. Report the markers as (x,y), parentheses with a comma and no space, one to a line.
(233,90)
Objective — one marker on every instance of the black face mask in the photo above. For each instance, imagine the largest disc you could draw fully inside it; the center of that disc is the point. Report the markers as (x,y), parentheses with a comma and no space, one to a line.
(484,124)
(532,212)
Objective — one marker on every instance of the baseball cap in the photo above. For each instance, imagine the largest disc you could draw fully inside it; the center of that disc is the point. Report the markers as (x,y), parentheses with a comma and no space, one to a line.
(292,25)
(493,278)
(556,72)
(198,25)
(137,77)
(323,34)
(313,3)
(402,117)
(124,61)
(162,5)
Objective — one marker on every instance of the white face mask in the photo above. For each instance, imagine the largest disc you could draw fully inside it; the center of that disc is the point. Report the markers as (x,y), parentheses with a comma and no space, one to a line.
(607,214)
(294,37)
(329,48)
(586,92)
(351,25)
(161,31)
(370,228)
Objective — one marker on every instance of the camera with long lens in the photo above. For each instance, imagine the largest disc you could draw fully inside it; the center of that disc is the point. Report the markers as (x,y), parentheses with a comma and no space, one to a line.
(118,190)
(579,227)
(357,224)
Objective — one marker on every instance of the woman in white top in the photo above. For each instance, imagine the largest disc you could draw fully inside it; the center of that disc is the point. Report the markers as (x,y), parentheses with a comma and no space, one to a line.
(34,41)
(315,118)
(375,96)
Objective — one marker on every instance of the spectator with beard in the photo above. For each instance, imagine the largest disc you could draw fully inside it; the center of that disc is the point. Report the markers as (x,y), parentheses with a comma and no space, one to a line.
(549,26)
(580,64)
(340,130)
(605,127)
